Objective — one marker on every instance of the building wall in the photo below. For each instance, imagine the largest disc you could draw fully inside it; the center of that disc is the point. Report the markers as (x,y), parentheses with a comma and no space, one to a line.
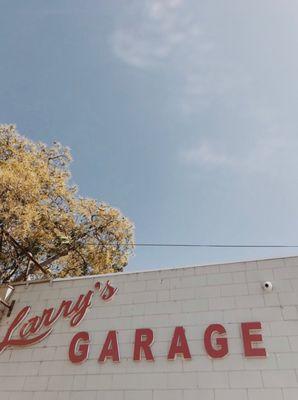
(192,297)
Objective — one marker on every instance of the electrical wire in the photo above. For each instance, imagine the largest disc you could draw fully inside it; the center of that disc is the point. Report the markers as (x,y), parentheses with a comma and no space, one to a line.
(208,245)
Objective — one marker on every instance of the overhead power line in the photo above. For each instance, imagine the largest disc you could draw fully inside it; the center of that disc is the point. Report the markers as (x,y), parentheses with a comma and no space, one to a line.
(216,245)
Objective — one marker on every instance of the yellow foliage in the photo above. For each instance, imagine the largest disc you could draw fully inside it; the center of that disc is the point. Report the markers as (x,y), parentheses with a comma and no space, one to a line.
(66,234)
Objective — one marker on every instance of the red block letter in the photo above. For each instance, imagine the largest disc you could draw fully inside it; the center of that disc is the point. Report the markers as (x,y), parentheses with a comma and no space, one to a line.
(179,345)
(143,341)
(221,342)
(78,352)
(110,348)
(249,339)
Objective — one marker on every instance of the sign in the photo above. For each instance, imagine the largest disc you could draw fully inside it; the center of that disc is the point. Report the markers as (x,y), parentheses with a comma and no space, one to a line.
(24,332)
(215,343)
(37,328)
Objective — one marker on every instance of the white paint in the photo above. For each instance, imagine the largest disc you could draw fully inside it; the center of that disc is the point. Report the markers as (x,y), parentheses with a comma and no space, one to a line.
(193,297)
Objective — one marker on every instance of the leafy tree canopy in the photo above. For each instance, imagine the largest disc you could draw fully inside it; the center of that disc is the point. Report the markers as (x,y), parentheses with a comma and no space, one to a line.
(45,227)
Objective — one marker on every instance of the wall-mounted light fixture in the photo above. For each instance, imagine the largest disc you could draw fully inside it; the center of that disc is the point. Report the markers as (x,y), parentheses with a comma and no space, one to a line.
(267,286)
(5,294)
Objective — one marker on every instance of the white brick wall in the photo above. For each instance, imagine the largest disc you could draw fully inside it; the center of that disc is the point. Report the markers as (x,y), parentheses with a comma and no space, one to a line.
(192,297)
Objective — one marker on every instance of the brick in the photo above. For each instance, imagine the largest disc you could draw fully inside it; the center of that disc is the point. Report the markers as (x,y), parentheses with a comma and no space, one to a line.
(138,394)
(63,396)
(220,279)
(237,315)
(163,295)
(267,363)
(167,395)
(225,303)
(271,299)
(234,290)
(291,261)
(193,281)
(17,396)
(288,299)
(207,292)
(195,305)
(60,382)
(286,273)
(238,266)
(158,284)
(267,314)
(198,363)
(48,395)
(290,313)
(284,328)
(272,263)
(259,276)
(136,286)
(182,381)
(212,380)
(293,340)
(239,277)
(278,344)
(43,354)
(290,394)
(143,381)
(250,301)
(182,294)
(80,394)
(12,383)
(99,382)
(245,379)
(287,360)
(196,394)
(34,383)
(228,394)
(208,269)
(110,395)
(273,379)
(168,307)
(229,363)
(79,382)
(265,394)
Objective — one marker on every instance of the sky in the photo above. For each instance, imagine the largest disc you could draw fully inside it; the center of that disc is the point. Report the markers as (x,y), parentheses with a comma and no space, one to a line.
(181,113)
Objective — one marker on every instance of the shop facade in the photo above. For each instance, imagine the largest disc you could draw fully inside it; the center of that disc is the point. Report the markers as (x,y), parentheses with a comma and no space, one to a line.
(215,332)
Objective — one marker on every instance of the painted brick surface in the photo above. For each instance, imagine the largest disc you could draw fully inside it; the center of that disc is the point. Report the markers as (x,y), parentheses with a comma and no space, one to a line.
(192,297)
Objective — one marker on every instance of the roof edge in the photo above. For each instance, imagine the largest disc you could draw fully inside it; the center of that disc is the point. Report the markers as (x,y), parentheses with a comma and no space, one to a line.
(150,270)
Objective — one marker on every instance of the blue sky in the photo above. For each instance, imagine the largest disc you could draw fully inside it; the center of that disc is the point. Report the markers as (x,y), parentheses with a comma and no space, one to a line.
(183,114)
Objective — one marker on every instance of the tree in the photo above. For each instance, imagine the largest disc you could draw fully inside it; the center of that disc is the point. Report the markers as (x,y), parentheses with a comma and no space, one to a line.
(45,227)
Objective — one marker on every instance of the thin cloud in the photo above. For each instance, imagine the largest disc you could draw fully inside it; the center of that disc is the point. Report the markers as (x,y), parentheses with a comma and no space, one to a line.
(204,154)
(153,35)
(174,38)
(169,37)
(271,154)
